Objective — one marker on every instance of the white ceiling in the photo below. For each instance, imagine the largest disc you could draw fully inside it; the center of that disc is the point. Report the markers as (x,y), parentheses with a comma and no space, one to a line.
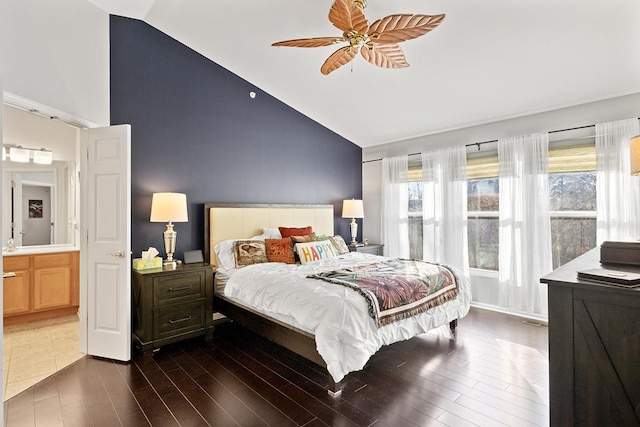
(489,60)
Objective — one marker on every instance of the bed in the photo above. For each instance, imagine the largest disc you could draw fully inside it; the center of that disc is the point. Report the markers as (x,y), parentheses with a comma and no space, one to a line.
(338,346)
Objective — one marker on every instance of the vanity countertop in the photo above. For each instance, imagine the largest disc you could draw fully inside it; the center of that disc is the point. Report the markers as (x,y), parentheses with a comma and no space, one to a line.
(33,250)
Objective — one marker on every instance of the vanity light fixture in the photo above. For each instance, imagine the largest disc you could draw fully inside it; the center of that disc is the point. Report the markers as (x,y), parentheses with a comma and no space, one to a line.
(43,157)
(18,153)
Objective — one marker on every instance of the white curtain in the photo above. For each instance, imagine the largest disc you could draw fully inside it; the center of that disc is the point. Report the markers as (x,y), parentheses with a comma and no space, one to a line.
(618,193)
(444,207)
(395,206)
(525,226)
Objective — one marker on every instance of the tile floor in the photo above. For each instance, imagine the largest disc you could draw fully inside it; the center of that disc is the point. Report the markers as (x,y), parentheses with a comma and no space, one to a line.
(35,350)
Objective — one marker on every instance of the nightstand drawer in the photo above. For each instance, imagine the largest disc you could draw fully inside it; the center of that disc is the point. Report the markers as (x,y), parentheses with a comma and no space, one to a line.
(174,288)
(372,248)
(175,320)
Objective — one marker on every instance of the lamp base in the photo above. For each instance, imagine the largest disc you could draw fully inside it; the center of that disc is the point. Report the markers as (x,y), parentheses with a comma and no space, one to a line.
(354,231)
(170,236)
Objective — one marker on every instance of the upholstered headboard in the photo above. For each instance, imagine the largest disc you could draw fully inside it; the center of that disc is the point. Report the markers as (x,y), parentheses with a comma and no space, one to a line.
(241,221)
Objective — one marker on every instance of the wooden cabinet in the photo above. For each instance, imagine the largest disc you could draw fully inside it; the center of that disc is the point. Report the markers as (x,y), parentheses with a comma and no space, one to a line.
(371,248)
(594,348)
(45,286)
(170,305)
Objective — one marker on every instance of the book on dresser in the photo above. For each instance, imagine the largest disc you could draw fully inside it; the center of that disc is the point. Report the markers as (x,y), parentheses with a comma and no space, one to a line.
(628,279)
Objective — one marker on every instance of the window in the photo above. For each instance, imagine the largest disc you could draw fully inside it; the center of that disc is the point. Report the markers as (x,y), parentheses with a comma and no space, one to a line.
(572,189)
(483,205)
(415,211)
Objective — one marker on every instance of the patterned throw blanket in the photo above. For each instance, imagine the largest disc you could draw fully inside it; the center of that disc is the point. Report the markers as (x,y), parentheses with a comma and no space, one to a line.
(397,288)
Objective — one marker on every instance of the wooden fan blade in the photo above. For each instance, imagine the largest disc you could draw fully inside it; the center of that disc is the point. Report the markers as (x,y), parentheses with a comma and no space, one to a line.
(345,15)
(384,55)
(311,42)
(338,59)
(398,28)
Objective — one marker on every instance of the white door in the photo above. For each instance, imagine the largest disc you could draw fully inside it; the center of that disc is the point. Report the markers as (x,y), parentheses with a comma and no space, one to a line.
(107,218)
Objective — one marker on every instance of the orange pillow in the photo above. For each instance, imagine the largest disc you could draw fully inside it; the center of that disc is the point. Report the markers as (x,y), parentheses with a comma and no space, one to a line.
(280,250)
(293,231)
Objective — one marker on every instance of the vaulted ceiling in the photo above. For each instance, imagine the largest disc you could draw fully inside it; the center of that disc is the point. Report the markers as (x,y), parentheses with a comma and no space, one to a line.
(488,60)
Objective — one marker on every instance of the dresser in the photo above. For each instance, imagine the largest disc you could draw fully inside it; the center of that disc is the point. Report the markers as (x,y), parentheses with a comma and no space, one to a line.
(594,349)
(171,305)
(371,248)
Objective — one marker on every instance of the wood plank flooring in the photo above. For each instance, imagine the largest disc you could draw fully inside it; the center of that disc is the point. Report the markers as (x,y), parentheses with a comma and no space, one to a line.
(495,372)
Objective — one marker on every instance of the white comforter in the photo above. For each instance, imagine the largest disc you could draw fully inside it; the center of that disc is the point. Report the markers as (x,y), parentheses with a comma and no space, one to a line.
(346,337)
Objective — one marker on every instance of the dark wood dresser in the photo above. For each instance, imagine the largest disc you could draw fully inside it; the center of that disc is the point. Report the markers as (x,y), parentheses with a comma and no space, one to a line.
(170,305)
(594,349)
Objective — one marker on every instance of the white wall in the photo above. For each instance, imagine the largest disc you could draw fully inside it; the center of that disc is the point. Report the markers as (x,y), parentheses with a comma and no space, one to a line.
(56,53)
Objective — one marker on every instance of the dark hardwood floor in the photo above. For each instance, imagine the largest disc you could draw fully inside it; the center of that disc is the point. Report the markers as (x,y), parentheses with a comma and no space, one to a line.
(495,372)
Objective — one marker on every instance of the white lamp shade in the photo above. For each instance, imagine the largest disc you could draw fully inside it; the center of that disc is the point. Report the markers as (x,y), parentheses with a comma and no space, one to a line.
(167,207)
(352,209)
(19,154)
(635,155)
(42,157)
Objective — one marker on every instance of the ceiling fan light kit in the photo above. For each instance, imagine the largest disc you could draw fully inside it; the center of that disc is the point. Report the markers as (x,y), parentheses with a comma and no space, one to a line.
(377,43)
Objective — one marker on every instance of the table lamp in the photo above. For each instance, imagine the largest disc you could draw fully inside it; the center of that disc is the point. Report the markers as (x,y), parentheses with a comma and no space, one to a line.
(353,209)
(169,208)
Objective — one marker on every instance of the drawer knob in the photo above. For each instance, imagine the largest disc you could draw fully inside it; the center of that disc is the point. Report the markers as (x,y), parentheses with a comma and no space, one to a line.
(184,319)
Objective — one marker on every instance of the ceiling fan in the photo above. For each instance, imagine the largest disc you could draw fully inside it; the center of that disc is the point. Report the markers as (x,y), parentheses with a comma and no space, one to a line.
(377,43)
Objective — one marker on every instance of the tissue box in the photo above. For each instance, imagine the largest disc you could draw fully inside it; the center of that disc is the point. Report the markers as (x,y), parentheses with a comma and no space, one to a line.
(145,264)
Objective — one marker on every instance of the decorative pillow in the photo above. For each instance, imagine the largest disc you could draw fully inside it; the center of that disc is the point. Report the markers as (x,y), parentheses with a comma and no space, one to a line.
(314,251)
(339,244)
(304,239)
(280,250)
(225,254)
(292,231)
(249,252)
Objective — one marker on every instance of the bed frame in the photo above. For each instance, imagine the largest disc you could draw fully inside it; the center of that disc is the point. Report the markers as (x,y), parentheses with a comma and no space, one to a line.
(238,221)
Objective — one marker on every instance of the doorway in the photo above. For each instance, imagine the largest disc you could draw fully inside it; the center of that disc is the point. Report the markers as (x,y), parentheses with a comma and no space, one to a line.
(40,213)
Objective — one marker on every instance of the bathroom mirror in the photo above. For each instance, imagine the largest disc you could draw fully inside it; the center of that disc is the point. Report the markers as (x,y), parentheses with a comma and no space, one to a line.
(38,204)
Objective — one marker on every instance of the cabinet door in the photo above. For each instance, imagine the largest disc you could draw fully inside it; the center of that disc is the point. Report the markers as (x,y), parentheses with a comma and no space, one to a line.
(15,292)
(52,288)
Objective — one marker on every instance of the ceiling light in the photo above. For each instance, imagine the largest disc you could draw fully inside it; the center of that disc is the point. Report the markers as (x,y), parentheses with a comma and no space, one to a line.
(43,157)
(19,154)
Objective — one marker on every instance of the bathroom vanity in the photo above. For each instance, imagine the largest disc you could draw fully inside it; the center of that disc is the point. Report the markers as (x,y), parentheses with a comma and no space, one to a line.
(45,284)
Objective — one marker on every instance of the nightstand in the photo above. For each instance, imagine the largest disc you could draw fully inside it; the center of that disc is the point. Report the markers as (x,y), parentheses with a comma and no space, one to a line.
(371,248)
(170,305)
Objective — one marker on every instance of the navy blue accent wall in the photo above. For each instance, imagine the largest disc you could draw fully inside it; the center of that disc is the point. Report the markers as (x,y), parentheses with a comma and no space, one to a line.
(196,130)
